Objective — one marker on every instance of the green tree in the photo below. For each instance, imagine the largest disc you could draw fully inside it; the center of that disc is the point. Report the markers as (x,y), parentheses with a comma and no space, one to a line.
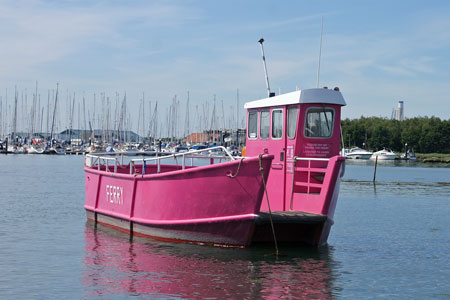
(423,134)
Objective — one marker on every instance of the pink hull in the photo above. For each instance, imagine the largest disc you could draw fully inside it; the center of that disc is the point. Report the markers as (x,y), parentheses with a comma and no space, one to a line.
(199,205)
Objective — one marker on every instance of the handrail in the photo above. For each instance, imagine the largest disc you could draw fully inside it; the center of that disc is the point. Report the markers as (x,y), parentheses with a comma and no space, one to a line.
(98,157)
(98,162)
(311,158)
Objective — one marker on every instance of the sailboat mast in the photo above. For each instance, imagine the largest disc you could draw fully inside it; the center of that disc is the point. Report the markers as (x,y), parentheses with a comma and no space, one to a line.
(71,118)
(54,113)
(48,111)
(237,118)
(13,133)
(139,121)
(186,127)
(143,116)
(84,118)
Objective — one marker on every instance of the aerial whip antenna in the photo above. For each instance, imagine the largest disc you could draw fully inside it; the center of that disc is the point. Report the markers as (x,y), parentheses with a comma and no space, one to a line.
(320,55)
(261,41)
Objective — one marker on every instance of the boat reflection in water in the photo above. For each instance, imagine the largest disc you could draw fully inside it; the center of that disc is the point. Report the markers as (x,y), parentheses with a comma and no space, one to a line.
(114,266)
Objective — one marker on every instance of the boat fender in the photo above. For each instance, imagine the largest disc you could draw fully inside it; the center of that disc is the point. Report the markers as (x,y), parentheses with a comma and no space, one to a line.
(342,169)
(143,168)
(88,161)
(229,174)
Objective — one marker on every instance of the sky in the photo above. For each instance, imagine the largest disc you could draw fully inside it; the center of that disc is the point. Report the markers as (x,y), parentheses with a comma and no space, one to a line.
(376,52)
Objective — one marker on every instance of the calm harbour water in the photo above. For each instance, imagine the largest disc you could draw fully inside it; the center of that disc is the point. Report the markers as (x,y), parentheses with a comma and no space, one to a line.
(390,240)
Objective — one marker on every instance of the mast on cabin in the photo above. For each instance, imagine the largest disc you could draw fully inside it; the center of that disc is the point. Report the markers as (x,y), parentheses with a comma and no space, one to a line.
(261,41)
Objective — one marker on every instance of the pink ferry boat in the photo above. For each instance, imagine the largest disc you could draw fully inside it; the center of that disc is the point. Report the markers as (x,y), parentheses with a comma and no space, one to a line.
(285,187)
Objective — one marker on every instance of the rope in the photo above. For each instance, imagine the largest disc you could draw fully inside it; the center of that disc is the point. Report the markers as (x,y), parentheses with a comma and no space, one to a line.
(237,171)
(268,204)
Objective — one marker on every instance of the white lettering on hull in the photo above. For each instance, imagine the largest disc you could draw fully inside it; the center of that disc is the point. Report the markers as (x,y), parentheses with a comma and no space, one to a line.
(114,194)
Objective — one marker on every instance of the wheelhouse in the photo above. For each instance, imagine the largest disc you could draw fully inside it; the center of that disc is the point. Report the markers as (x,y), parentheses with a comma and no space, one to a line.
(299,125)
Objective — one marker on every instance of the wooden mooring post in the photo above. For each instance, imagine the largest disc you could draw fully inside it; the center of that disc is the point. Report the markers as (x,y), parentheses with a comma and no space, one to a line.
(375,169)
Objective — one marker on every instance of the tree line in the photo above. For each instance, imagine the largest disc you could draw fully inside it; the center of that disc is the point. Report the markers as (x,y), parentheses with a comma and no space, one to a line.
(422,134)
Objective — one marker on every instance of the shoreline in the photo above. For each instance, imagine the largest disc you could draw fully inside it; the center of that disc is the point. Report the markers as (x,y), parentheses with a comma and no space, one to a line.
(433,157)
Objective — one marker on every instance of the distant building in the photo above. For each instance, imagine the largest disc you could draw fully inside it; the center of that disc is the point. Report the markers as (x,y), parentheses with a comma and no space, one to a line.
(77,136)
(203,137)
(108,135)
(227,137)
(400,112)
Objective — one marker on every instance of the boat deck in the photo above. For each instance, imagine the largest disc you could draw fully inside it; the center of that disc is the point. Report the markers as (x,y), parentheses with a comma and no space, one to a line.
(297,227)
(291,217)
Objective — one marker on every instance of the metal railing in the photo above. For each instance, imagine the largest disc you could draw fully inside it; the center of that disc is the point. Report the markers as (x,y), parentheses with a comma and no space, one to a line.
(102,159)
(92,160)
(308,169)
(320,159)
(311,158)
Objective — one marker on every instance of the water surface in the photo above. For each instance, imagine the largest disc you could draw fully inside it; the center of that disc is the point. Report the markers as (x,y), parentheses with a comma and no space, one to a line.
(390,240)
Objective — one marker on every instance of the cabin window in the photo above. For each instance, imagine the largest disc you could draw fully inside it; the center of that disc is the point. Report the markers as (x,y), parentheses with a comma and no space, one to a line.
(277,124)
(292,122)
(319,122)
(252,124)
(264,125)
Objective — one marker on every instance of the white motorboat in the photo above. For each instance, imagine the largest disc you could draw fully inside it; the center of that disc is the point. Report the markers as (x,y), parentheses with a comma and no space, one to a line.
(385,154)
(358,153)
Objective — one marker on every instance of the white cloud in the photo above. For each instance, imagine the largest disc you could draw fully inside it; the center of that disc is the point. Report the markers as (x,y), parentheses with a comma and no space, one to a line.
(36,32)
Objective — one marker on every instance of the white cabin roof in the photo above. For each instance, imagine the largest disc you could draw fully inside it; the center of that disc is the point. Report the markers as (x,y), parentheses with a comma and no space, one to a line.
(318,95)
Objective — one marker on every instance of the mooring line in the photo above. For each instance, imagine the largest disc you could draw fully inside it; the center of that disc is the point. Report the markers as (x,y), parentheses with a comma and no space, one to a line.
(237,171)
(268,204)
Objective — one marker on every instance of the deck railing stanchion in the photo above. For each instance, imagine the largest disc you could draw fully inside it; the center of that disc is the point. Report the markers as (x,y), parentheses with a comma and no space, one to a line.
(119,159)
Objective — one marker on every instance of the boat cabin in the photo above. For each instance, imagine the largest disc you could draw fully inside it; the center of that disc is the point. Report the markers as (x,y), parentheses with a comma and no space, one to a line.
(302,130)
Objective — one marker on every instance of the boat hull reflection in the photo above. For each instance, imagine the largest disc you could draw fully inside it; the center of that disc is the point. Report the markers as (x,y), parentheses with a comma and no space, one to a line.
(116,266)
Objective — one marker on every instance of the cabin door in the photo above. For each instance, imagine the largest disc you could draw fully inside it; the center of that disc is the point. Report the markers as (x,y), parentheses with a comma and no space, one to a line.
(277,147)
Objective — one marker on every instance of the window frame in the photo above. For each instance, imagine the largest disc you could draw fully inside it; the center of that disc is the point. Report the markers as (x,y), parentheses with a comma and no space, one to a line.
(296,122)
(248,124)
(282,123)
(319,109)
(260,124)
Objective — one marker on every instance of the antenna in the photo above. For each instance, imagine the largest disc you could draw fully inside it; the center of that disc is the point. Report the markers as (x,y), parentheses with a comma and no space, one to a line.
(320,55)
(261,41)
